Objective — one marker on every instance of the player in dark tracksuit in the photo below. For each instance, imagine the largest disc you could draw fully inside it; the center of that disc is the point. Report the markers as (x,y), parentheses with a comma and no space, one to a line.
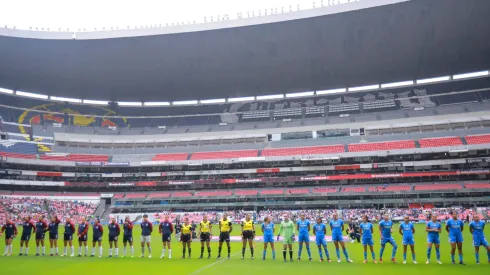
(41,229)
(68,237)
(98,230)
(114,231)
(83,237)
(128,235)
(10,232)
(166,229)
(53,227)
(28,228)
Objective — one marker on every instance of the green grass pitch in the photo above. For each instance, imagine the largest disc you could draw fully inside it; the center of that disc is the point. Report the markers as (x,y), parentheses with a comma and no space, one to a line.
(235,266)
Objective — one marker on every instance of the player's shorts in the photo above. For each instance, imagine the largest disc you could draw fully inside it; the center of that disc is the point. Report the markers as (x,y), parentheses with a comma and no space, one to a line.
(9,236)
(205,236)
(248,235)
(166,237)
(224,237)
(408,241)
(96,239)
(83,238)
(127,238)
(367,241)
(185,238)
(320,241)
(67,237)
(456,238)
(268,238)
(145,239)
(390,240)
(287,240)
(113,238)
(433,239)
(337,238)
(477,242)
(53,236)
(40,236)
(303,238)
(25,237)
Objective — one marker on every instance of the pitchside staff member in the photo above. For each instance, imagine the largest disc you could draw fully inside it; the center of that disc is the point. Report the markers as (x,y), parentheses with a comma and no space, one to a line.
(205,235)
(225,228)
(82,237)
(354,232)
(41,228)
(178,229)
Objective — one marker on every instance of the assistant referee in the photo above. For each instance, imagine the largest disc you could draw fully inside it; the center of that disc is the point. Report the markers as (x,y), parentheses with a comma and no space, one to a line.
(225,228)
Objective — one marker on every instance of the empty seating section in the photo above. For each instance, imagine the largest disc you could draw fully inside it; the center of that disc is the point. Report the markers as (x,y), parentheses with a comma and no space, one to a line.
(246,192)
(118,196)
(181,194)
(479,139)
(224,154)
(354,189)
(477,185)
(438,142)
(177,156)
(433,187)
(272,192)
(298,191)
(77,157)
(9,146)
(326,190)
(315,150)
(390,188)
(136,196)
(381,146)
(213,193)
(159,195)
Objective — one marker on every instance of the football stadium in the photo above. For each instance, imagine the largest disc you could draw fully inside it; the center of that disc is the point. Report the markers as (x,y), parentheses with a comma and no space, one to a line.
(245,137)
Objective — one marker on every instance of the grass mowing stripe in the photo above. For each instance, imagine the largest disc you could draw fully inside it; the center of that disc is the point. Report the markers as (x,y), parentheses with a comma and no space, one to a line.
(213,264)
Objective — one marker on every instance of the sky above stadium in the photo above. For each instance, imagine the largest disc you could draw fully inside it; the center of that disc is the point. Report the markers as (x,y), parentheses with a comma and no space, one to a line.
(90,14)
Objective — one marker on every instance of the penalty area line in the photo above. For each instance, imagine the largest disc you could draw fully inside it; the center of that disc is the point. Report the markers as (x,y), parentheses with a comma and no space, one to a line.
(210,265)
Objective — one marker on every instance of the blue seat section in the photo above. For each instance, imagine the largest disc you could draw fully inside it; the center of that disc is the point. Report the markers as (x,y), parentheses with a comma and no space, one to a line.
(194,120)
(18,147)
(9,128)
(5,114)
(168,122)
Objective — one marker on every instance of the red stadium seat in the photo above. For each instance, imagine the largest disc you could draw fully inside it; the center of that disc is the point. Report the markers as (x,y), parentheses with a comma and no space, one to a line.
(390,188)
(439,142)
(477,139)
(136,196)
(118,196)
(77,157)
(159,195)
(17,156)
(224,154)
(433,187)
(354,189)
(246,192)
(477,185)
(213,194)
(326,190)
(381,146)
(272,192)
(315,150)
(177,156)
(298,191)
(182,194)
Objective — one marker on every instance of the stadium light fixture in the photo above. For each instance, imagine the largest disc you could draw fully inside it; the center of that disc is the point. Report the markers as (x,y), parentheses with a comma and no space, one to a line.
(65,99)
(95,102)
(130,103)
(184,102)
(212,101)
(156,103)
(241,99)
(433,80)
(331,91)
(39,96)
(364,88)
(266,97)
(303,94)
(469,75)
(397,84)
(6,91)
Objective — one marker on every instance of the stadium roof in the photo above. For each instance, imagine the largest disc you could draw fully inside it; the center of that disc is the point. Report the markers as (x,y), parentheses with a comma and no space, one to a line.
(409,40)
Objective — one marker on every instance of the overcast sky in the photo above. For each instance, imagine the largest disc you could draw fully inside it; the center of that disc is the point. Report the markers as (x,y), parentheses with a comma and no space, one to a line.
(90,14)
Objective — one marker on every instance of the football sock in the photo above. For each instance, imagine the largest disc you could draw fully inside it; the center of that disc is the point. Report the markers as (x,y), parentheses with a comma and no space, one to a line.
(56,250)
(6,249)
(381,251)
(488,252)
(460,257)
(202,250)
(300,250)
(93,250)
(149,250)
(393,253)
(27,250)
(243,251)
(100,250)
(117,251)
(170,253)
(21,248)
(163,252)
(132,250)
(229,251)
(452,257)
(44,250)
(404,256)
(274,255)
(365,255)
(477,256)
(219,251)
(143,250)
(326,252)
(263,253)
(252,251)
(190,249)
(372,254)
(429,250)
(337,251)
(72,250)
(37,249)
(183,252)
(413,256)
(209,251)
(284,254)
(110,251)
(309,251)
(86,250)
(438,254)
(345,253)
(320,253)
(80,250)
(290,254)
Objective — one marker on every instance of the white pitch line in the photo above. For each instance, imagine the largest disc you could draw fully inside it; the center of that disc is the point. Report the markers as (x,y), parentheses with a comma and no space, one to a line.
(210,265)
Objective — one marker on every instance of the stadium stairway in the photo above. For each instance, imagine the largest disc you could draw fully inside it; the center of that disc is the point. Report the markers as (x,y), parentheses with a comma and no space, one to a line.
(463,140)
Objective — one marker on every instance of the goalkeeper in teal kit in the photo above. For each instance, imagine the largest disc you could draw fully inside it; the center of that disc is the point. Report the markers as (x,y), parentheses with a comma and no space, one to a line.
(287,230)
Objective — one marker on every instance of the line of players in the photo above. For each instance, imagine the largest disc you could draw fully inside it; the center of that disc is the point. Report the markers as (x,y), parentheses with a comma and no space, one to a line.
(287,231)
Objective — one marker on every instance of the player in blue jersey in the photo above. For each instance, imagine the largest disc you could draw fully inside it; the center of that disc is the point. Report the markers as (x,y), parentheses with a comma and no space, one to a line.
(385,230)
(477,227)
(337,227)
(268,231)
(455,229)
(367,231)
(303,227)
(320,230)
(433,229)
(407,230)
